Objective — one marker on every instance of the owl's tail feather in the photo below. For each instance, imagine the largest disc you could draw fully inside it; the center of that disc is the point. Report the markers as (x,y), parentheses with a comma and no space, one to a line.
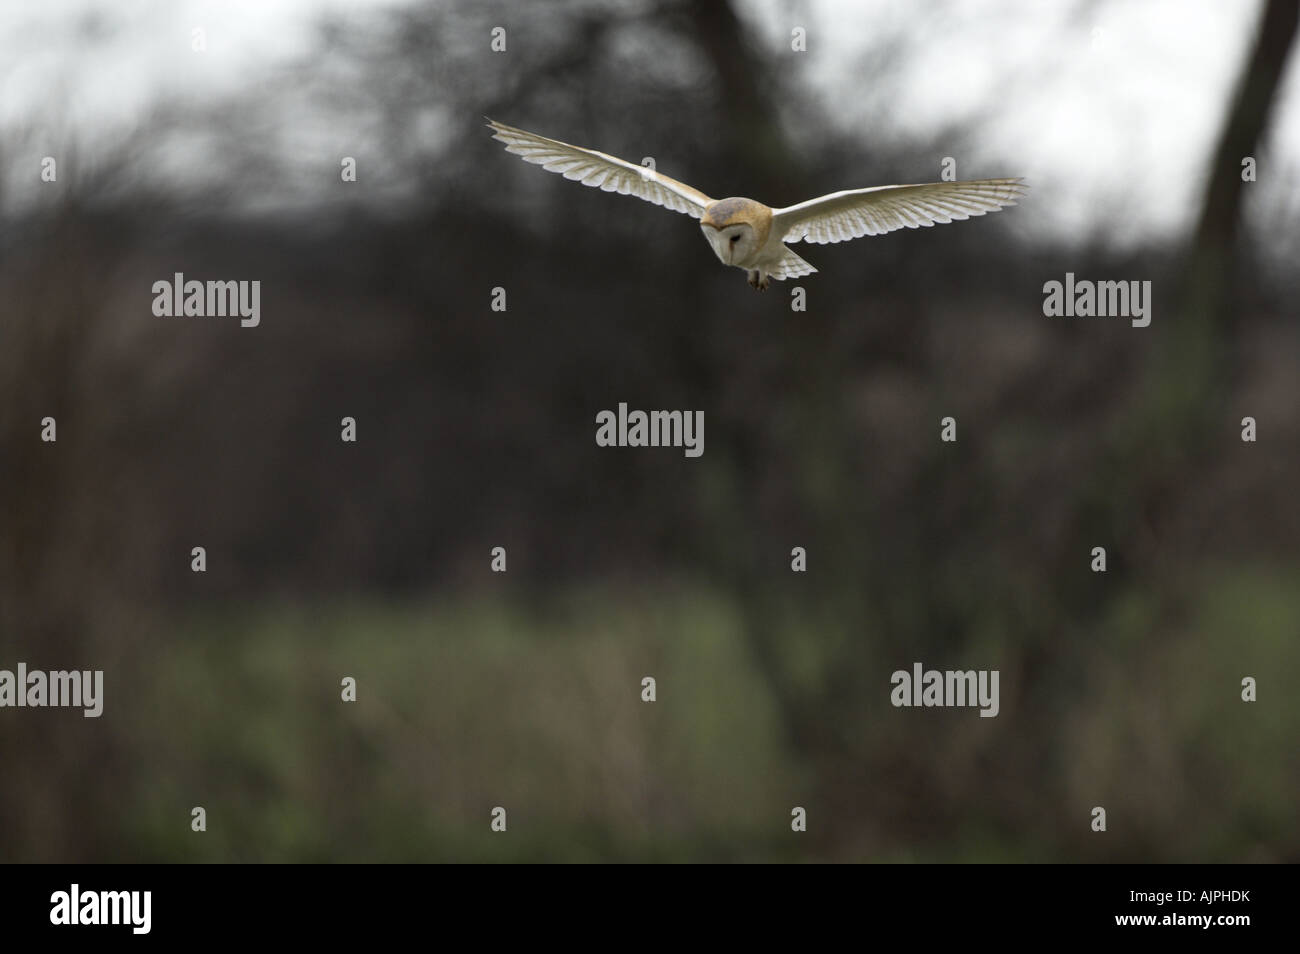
(791,266)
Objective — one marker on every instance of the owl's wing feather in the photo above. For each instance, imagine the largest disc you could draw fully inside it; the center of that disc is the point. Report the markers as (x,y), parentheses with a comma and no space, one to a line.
(854,213)
(597,169)
(791,266)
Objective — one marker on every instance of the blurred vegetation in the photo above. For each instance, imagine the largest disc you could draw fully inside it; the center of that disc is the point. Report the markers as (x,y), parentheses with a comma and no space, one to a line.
(473,702)
(476,430)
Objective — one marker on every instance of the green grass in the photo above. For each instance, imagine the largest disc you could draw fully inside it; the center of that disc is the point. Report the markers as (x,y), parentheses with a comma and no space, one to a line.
(478,701)
(462,706)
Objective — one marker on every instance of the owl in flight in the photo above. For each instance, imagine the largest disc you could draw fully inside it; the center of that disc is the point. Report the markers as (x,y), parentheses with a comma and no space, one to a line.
(749,234)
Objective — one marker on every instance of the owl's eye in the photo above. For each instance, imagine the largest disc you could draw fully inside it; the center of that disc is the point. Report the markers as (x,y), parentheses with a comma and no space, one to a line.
(735,238)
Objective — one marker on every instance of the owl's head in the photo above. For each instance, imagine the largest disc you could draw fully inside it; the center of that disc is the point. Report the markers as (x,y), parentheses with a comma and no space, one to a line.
(733,243)
(729,225)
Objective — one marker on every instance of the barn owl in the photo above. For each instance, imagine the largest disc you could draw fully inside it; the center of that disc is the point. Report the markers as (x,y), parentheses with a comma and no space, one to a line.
(749,234)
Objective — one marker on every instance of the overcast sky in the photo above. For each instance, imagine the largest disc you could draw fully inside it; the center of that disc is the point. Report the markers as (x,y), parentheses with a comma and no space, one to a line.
(1109,108)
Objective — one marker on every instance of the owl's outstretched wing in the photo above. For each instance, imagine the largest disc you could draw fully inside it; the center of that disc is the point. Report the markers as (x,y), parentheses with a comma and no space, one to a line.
(600,170)
(841,216)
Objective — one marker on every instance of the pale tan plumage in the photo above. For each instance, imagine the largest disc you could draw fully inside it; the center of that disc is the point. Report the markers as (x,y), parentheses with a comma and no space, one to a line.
(749,234)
